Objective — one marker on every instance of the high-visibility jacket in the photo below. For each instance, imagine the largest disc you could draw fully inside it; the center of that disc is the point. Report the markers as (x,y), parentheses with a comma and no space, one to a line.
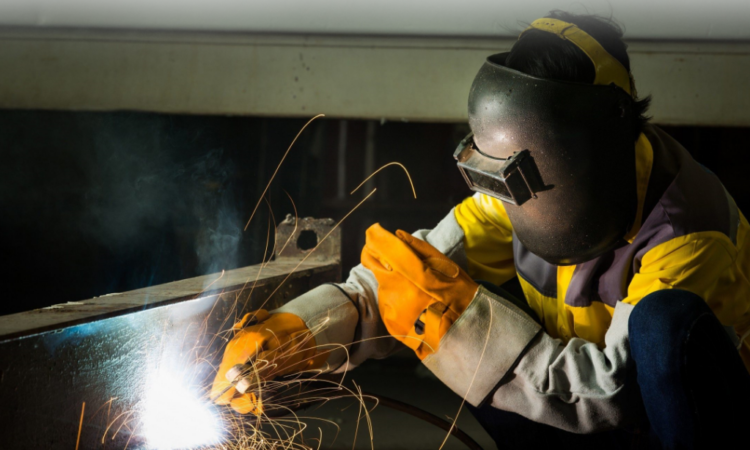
(693,238)
(572,371)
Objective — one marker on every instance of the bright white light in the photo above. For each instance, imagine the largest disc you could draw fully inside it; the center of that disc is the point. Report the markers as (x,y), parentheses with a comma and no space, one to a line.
(175,417)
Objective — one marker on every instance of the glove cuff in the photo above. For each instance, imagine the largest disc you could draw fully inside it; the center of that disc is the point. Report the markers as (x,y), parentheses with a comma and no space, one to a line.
(490,323)
(331,316)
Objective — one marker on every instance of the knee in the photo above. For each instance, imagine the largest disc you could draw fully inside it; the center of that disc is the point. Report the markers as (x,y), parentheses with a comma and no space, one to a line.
(660,321)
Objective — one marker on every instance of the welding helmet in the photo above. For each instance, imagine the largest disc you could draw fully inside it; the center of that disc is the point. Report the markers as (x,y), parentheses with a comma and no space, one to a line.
(560,155)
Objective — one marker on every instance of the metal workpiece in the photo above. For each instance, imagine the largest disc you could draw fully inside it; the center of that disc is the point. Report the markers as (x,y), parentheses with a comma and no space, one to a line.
(109,350)
(310,234)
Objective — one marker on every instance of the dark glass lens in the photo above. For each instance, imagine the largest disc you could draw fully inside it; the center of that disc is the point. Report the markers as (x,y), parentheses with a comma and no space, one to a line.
(489,183)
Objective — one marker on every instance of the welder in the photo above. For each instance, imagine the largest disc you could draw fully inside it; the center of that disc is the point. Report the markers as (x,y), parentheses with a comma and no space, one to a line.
(632,258)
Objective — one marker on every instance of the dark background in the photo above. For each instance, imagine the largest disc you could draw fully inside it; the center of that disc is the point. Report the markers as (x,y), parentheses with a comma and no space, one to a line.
(98,202)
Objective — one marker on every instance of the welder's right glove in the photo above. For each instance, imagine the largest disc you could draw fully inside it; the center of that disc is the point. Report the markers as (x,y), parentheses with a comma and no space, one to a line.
(274,345)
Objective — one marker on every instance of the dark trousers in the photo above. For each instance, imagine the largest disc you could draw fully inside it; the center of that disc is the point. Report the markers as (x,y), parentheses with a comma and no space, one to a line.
(695,388)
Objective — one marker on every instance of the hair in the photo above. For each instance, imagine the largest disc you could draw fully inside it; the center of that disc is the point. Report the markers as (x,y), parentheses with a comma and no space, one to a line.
(544,55)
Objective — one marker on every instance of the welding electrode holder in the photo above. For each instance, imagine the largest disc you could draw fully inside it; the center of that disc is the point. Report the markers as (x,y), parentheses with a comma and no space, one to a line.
(235,375)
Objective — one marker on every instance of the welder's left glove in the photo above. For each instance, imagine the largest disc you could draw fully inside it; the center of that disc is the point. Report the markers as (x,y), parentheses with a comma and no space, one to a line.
(421,292)
(272,345)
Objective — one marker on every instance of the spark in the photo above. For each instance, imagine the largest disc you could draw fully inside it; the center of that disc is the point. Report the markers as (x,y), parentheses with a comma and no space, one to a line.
(296,223)
(80,425)
(175,412)
(394,163)
(213,282)
(278,167)
(318,245)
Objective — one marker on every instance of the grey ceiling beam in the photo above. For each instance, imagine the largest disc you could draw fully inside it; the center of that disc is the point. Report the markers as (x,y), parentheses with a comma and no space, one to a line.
(391,78)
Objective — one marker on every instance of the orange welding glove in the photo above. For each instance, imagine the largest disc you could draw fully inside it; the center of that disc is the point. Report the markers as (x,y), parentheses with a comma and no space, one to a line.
(274,345)
(421,292)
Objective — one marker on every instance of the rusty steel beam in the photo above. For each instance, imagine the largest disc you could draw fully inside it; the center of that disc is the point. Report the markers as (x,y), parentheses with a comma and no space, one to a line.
(54,359)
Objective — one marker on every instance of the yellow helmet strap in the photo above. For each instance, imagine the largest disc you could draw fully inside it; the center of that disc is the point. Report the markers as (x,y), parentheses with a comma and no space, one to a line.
(607,68)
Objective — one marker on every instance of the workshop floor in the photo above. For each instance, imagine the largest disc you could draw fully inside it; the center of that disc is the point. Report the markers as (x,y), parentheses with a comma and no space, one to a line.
(403,378)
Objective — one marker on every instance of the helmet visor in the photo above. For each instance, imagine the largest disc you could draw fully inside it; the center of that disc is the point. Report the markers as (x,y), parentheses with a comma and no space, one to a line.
(514,180)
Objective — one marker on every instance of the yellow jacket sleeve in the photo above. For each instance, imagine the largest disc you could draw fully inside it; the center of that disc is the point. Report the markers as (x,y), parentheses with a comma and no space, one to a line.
(703,263)
(707,264)
(488,237)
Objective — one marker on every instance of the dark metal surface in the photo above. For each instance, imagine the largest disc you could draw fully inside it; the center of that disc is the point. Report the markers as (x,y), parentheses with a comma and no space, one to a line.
(54,359)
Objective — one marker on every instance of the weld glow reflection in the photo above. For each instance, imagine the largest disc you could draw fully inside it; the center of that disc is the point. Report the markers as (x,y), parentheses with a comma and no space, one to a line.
(176,417)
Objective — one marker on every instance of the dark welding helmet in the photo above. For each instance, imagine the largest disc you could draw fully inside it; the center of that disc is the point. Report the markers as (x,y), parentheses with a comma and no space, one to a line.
(561,155)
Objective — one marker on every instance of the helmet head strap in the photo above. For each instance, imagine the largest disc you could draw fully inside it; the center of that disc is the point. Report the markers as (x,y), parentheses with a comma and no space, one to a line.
(607,68)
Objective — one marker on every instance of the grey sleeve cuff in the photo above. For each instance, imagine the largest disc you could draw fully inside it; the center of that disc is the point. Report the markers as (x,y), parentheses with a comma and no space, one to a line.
(482,346)
(331,316)
(576,386)
(448,238)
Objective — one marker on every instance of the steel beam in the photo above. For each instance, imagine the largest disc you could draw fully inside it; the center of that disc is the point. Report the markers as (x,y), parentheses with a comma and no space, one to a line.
(365,77)
(54,359)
